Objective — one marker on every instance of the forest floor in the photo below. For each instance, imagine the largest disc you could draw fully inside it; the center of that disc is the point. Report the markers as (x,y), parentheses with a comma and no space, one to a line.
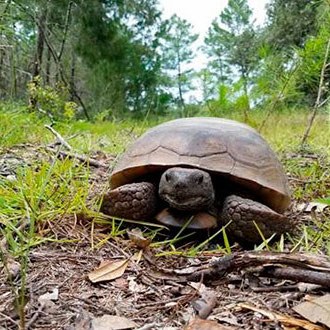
(53,241)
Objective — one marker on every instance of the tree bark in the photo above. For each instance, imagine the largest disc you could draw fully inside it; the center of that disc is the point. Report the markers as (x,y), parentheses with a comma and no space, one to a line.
(41,30)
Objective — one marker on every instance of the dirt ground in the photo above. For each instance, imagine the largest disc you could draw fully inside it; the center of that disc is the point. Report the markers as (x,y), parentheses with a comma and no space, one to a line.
(153,292)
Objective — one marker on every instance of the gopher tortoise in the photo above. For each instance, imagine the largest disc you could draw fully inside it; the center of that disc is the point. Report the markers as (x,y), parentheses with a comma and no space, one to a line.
(211,171)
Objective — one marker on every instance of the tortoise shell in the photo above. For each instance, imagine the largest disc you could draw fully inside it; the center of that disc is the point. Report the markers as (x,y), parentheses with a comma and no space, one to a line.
(220,146)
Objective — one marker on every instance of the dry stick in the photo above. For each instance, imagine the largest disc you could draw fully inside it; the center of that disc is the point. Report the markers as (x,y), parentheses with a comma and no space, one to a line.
(82,158)
(298,275)
(318,102)
(62,153)
(296,267)
(59,137)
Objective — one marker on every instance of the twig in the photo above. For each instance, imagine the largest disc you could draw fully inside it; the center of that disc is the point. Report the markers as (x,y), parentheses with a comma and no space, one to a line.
(82,158)
(298,275)
(35,315)
(61,153)
(59,137)
(66,28)
(318,102)
(296,267)
(8,318)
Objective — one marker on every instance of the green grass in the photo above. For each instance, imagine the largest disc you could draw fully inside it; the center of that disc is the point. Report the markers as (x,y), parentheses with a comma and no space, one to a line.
(49,191)
(283,130)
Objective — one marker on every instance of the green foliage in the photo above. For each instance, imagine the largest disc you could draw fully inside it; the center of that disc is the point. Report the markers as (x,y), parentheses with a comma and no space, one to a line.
(232,45)
(18,125)
(176,53)
(54,101)
(290,23)
(117,59)
(122,66)
(311,57)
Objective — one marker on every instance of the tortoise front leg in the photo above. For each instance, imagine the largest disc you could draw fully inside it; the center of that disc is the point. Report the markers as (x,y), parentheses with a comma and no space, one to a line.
(247,216)
(136,201)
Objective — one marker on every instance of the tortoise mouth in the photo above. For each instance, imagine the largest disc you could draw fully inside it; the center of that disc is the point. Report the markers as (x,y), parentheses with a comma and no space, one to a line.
(193,203)
(186,189)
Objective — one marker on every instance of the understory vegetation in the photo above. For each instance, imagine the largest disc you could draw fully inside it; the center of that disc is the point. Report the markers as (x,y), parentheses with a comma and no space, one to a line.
(48,189)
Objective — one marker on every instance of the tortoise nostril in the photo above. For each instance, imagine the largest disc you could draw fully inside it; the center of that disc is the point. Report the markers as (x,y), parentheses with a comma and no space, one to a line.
(199,178)
(178,185)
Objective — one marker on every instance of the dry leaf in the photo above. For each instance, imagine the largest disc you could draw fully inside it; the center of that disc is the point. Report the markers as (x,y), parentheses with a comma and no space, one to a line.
(82,321)
(312,206)
(108,271)
(205,304)
(121,283)
(316,310)
(198,286)
(134,287)
(112,322)
(199,324)
(136,236)
(137,256)
(49,296)
(286,320)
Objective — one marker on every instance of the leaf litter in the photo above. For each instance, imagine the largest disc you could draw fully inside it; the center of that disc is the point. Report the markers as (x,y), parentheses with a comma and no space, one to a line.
(132,290)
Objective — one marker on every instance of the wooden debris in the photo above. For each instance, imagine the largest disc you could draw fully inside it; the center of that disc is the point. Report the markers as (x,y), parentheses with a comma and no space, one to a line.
(81,158)
(284,319)
(59,137)
(61,153)
(291,266)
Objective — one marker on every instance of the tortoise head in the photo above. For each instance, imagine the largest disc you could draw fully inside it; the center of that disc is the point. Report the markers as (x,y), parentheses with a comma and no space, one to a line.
(186,189)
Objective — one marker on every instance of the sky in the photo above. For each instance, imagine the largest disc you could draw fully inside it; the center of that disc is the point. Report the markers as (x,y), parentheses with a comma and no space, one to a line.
(201,13)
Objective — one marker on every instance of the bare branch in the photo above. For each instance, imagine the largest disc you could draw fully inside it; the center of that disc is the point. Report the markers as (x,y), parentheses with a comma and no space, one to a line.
(292,266)
(66,28)
(59,137)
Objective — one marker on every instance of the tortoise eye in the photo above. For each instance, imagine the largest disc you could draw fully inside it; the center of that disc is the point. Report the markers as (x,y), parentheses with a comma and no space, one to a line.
(167,177)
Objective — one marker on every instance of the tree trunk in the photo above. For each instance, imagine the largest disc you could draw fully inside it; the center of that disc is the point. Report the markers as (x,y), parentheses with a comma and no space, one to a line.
(72,76)
(181,100)
(48,65)
(246,108)
(41,26)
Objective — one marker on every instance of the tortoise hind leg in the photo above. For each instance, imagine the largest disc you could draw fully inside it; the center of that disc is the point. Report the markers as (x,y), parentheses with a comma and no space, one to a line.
(247,216)
(136,201)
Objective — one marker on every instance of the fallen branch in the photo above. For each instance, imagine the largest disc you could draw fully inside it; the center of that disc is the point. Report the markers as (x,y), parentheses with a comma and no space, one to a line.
(59,137)
(296,267)
(60,153)
(81,158)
